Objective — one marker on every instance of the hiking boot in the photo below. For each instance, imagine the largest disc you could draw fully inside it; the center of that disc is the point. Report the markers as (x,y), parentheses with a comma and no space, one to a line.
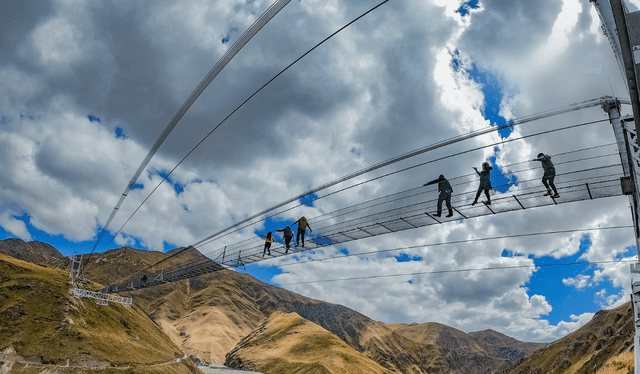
(450,214)
(474,202)
(547,194)
(488,203)
(556,195)
(437,214)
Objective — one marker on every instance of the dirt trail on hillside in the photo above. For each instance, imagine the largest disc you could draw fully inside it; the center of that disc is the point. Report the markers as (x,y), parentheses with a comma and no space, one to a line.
(224,370)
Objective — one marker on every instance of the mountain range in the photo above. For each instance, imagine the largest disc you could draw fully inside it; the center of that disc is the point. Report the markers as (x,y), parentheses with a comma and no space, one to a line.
(233,319)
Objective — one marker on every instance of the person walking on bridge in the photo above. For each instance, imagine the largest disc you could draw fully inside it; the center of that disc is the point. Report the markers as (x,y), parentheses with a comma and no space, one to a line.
(549,174)
(485,182)
(302,230)
(267,243)
(287,233)
(445,190)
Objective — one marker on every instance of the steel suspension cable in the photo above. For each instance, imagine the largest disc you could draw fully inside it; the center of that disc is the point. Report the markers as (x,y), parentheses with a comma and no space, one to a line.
(240,106)
(495,128)
(224,60)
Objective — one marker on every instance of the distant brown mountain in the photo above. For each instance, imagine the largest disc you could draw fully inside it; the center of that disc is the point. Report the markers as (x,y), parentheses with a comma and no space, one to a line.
(478,352)
(34,252)
(208,315)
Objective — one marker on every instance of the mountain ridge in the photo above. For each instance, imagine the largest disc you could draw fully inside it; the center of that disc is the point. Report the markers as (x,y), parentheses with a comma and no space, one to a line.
(222,317)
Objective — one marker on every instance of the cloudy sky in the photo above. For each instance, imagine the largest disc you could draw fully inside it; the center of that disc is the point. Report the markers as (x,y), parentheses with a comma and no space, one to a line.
(88,86)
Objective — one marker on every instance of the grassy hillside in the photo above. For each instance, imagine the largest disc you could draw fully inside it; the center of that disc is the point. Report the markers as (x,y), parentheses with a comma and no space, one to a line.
(41,323)
(288,343)
(623,363)
(609,334)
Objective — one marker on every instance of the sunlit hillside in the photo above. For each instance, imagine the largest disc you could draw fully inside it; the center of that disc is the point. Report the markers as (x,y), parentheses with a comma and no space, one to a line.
(42,324)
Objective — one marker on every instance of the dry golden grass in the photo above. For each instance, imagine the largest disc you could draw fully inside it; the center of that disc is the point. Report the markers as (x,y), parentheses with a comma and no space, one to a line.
(205,321)
(43,323)
(624,363)
(595,345)
(289,343)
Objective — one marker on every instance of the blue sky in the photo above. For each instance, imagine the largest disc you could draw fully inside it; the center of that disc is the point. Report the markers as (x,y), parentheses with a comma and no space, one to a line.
(87,89)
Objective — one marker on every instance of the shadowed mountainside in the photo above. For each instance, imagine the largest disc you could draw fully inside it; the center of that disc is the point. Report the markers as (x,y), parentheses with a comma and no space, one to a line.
(35,252)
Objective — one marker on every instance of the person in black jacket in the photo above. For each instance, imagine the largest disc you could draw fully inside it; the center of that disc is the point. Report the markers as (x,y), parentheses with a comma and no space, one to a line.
(485,182)
(287,233)
(549,174)
(445,190)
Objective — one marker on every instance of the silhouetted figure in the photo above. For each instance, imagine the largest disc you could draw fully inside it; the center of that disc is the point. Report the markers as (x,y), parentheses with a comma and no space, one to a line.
(267,243)
(485,182)
(144,279)
(287,233)
(549,174)
(302,230)
(445,190)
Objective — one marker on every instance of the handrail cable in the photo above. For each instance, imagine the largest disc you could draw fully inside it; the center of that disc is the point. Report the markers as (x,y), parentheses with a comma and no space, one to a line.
(464,241)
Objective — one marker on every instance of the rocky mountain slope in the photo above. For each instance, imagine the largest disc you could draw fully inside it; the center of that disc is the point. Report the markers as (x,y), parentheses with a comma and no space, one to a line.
(42,328)
(609,334)
(209,315)
(34,252)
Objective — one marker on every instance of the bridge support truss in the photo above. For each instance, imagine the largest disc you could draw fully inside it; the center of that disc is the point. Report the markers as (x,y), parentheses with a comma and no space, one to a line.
(631,187)
(623,31)
(100,297)
(627,140)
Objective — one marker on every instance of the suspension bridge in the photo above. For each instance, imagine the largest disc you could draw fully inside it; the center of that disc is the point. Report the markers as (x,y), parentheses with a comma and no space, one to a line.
(597,172)
(584,174)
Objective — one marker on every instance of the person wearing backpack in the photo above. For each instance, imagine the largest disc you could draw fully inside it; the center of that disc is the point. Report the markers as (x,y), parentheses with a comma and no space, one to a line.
(287,233)
(302,229)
